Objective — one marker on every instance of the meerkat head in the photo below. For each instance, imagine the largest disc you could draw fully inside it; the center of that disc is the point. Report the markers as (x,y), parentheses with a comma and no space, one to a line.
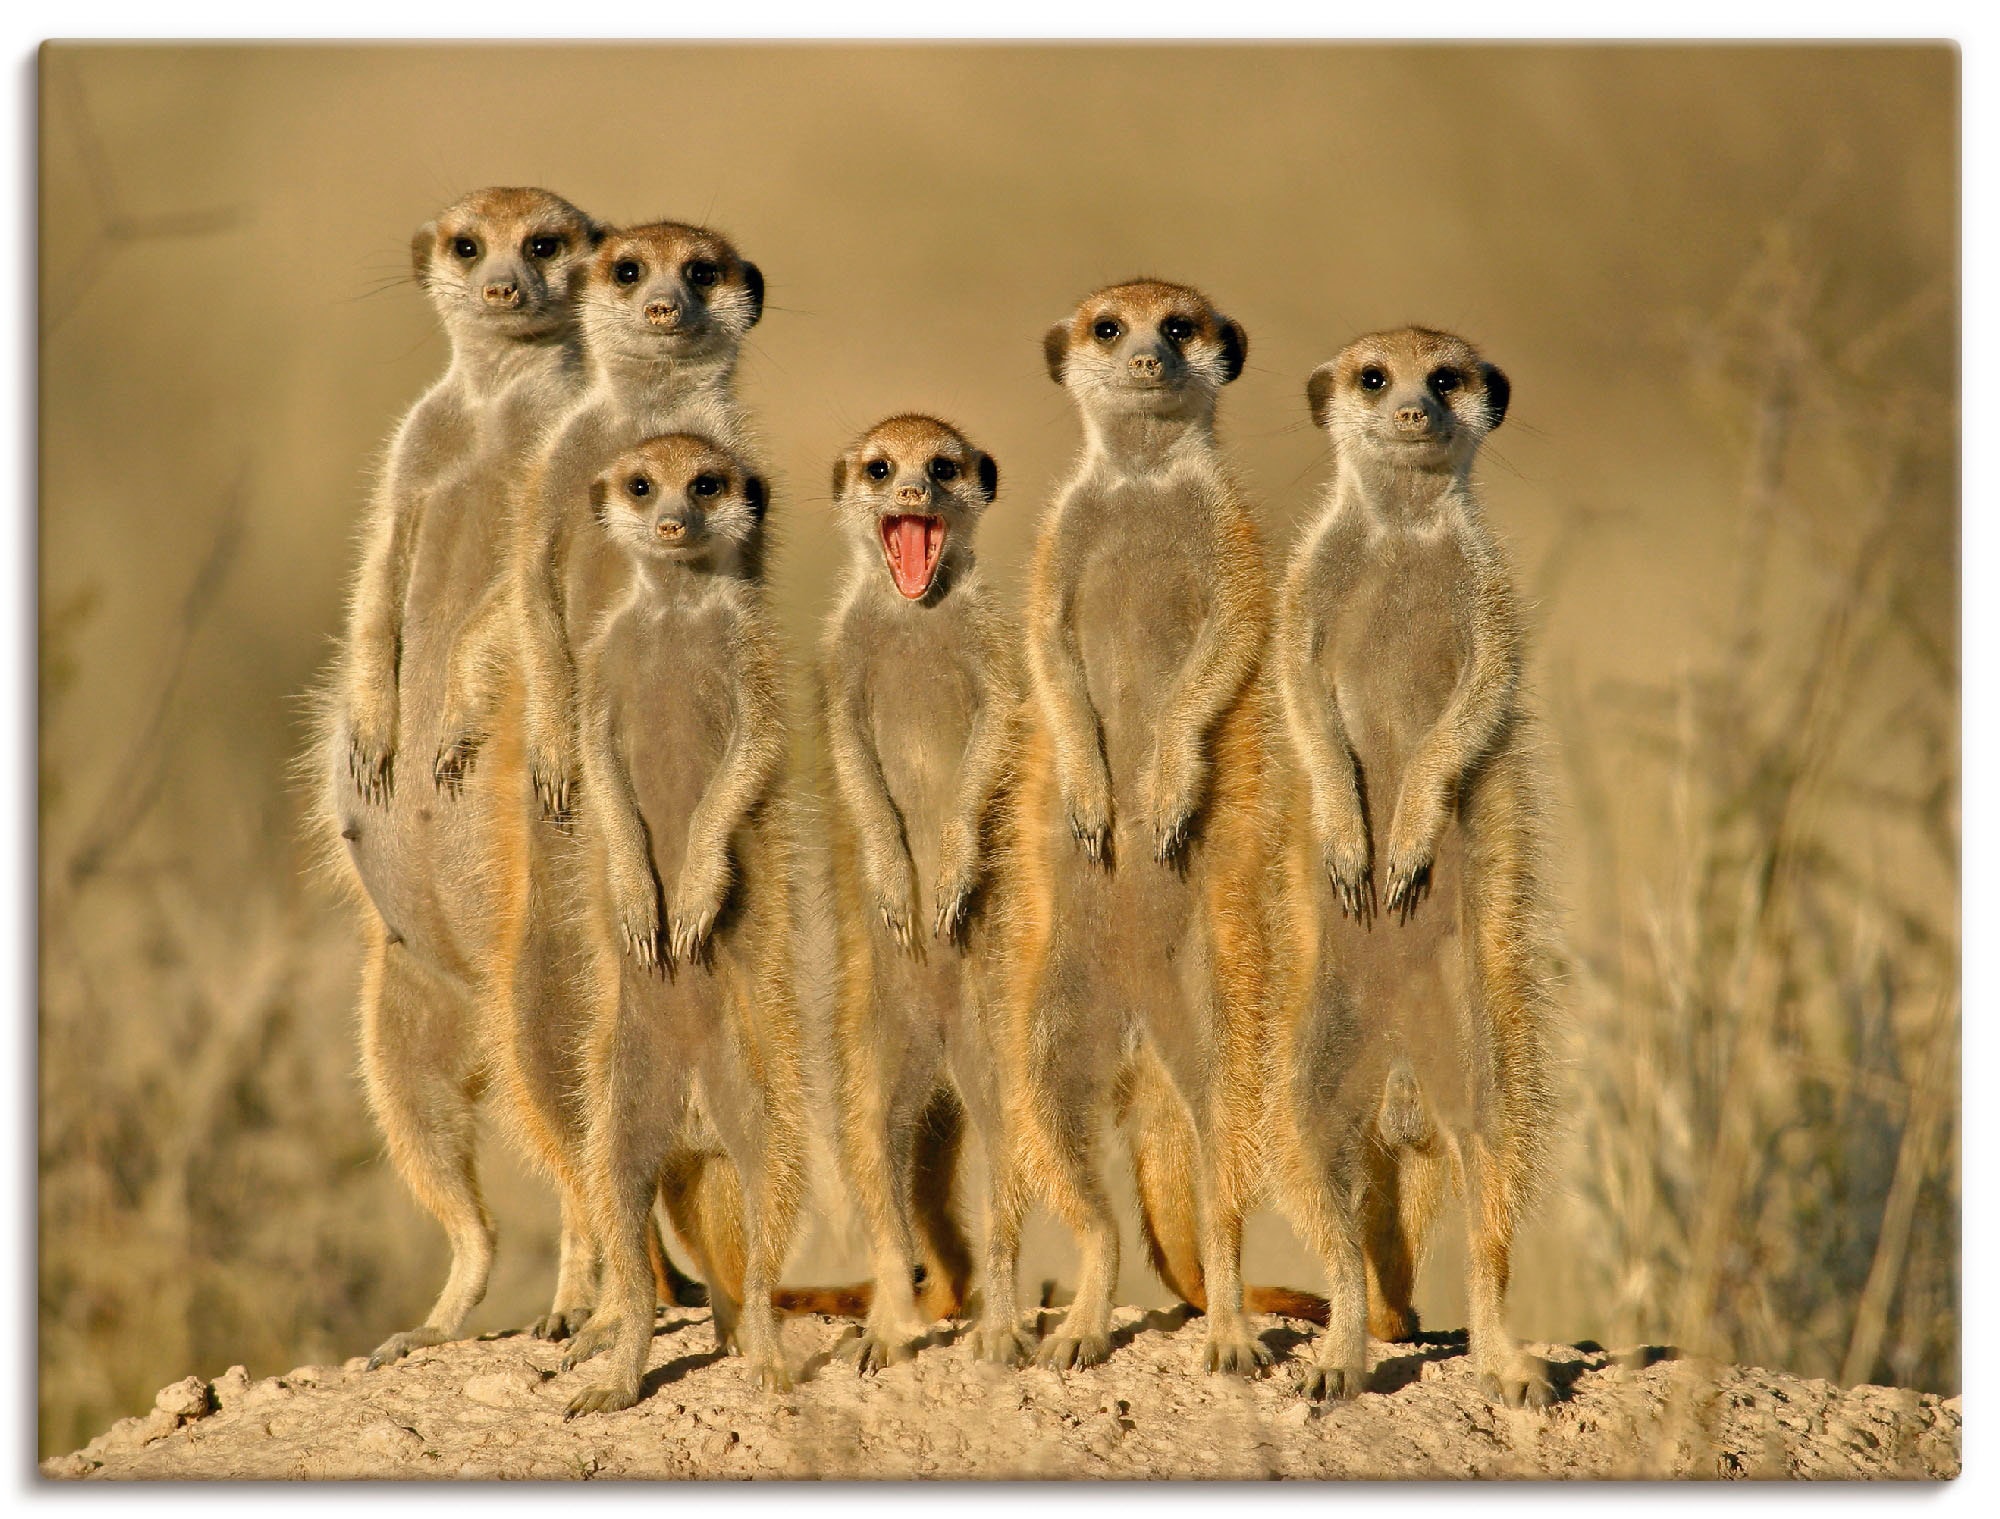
(913,488)
(679,499)
(1412,398)
(1146,347)
(502,260)
(667,291)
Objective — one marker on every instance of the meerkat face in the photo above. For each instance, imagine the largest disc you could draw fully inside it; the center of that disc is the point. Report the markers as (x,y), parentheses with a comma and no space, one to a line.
(504,259)
(680,499)
(1146,347)
(913,488)
(669,291)
(1415,398)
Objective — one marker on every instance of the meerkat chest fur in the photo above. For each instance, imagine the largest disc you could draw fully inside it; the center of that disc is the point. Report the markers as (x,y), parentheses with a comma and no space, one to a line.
(1142,578)
(669,676)
(924,693)
(1398,643)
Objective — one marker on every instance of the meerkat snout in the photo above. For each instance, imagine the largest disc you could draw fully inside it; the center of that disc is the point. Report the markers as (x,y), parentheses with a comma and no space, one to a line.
(913,493)
(663,314)
(505,294)
(1415,419)
(1145,366)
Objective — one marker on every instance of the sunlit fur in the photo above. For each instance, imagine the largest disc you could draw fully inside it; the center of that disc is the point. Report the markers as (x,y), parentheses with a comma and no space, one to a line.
(511,722)
(1411,1036)
(920,700)
(415,859)
(694,1086)
(1135,958)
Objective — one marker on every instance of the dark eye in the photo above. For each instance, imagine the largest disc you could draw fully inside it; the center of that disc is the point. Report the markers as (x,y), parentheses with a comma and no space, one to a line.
(878,469)
(943,469)
(544,247)
(638,486)
(1373,377)
(465,248)
(707,485)
(1105,330)
(702,272)
(1444,381)
(1178,329)
(626,271)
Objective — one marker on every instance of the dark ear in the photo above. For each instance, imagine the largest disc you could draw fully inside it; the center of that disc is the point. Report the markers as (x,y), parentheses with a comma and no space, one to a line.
(1235,349)
(1498,393)
(423,242)
(840,477)
(1055,343)
(755,496)
(599,489)
(753,281)
(989,476)
(1319,394)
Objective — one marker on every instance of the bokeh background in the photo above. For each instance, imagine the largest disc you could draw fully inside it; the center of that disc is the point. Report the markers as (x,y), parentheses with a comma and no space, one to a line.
(1724,281)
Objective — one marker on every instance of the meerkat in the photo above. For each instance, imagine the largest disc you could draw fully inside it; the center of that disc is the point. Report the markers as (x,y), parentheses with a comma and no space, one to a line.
(1411,1046)
(498,267)
(920,702)
(695,1083)
(1136,955)
(663,309)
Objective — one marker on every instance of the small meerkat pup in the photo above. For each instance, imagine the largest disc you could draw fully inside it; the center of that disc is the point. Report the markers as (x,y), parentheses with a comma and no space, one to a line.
(1413,1024)
(498,267)
(921,708)
(1136,954)
(695,1086)
(663,309)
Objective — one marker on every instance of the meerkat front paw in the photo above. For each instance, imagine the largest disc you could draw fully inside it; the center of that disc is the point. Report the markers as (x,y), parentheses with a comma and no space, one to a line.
(636,903)
(399,1345)
(896,901)
(771,1373)
(455,757)
(592,1339)
(604,1398)
(1087,800)
(1175,777)
(697,904)
(1345,857)
(560,1323)
(371,749)
(1067,1350)
(1413,836)
(553,769)
(877,1350)
(1336,1384)
(958,878)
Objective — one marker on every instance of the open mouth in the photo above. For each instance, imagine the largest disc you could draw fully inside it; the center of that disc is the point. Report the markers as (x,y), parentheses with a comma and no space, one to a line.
(913,545)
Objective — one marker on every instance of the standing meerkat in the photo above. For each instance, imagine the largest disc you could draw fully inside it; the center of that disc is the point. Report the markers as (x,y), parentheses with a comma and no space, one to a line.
(695,1086)
(1412,1040)
(663,309)
(1137,959)
(921,709)
(498,267)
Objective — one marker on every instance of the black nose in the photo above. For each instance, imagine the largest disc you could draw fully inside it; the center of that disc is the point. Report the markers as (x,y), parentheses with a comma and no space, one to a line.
(1413,419)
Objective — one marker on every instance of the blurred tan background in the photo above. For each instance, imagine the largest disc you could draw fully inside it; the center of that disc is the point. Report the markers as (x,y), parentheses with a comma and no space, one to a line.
(1724,282)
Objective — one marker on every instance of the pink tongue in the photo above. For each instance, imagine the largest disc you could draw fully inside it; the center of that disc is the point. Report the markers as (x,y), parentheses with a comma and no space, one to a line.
(908,557)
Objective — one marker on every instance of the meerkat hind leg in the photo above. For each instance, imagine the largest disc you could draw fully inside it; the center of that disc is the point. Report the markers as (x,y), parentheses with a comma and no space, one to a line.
(1070,1175)
(427,1114)
(1507,1372)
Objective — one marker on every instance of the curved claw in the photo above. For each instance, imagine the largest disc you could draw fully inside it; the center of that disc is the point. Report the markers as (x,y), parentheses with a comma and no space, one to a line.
(1005,1345)
(553,789)
(1090,835)
(871,1352)
(950,913)
(1520,1388)
(642,943)
(373,773)
(589,1341)
(454,762)
(399,1345)
(560,1323)
(1242,1356)
(605,1398)
(897,921)
(688,936)
(1332,1383)
(1168,841)
(1064,1352)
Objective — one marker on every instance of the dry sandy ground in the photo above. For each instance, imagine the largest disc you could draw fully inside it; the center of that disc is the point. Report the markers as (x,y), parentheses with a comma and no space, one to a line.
(494,1408)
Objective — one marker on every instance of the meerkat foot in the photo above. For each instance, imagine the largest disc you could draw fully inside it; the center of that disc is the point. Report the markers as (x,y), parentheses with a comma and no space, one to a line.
(1073,1349)
(589,1340)
(604,1398)
(876,1350)
(771,1373)
(560,1323)
(399,1345)
(1235,1351)
(1332,1384)
(1001,1344)
(1521,1381)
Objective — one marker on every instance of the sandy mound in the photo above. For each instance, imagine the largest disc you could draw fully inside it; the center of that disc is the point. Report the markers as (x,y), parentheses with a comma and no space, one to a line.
(494,1408)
